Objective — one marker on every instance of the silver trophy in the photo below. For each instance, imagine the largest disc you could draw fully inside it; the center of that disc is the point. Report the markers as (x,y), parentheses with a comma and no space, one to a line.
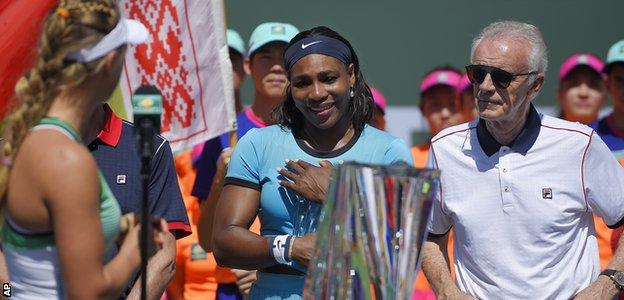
(370,232)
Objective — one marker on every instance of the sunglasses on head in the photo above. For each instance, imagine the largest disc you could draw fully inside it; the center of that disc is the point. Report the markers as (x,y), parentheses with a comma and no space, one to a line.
(501,78)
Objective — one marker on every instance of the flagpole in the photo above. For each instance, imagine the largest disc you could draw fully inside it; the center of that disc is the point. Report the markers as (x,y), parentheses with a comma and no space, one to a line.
(232,134)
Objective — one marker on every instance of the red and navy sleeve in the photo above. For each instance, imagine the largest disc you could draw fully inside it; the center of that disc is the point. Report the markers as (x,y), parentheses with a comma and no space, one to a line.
(165,198)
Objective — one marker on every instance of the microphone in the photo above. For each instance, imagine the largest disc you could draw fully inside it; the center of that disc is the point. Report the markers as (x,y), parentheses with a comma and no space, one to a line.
(147,108)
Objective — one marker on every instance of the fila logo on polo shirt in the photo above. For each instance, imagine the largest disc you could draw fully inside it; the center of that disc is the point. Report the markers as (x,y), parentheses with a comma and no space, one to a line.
(303,46)
(121,179)
(547,193)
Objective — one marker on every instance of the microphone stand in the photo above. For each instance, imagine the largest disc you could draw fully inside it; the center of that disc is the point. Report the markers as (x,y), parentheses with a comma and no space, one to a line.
(146,151)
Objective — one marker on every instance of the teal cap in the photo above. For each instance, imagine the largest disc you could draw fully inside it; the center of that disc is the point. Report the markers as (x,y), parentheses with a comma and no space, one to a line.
(235,41)
(270,32)
(615,55)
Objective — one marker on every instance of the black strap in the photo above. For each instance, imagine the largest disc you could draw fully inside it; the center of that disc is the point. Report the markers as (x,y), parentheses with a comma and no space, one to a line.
(611,274)
(282,269)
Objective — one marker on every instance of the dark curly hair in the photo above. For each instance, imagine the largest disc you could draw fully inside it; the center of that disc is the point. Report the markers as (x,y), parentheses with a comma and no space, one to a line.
(361,107)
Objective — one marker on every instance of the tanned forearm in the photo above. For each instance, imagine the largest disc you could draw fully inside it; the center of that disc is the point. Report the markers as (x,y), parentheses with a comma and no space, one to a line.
(237,247)
(617,261)
(208,207)
(436,266)
(160,271)
(603,287)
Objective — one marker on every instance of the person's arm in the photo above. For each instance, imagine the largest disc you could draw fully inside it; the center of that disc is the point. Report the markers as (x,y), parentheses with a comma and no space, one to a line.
(244,280)
(209,205)
(175,289)
(237,247)
(75,215)
(604,191)
(603,287)
(160,270)
(234,245)
(435,265)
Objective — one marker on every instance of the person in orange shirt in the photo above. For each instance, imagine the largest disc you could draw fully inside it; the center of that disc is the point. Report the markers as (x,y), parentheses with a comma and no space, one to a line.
(439,104)
(582,90)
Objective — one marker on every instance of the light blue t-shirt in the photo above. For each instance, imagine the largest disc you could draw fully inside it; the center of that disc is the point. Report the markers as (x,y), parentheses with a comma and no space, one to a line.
(254,164)
(261,151)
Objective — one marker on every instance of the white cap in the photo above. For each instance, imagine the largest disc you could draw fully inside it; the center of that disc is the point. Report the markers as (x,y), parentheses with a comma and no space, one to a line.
(127,31)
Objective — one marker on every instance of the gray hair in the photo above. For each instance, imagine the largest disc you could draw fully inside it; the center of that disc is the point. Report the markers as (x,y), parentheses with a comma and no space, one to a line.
(538,57)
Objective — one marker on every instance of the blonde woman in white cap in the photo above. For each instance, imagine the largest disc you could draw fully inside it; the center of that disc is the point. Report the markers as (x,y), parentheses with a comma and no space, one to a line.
(60,216)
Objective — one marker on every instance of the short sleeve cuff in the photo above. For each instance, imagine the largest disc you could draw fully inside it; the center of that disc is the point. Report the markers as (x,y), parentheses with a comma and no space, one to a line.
(242,182)
(618,224)
(179,229)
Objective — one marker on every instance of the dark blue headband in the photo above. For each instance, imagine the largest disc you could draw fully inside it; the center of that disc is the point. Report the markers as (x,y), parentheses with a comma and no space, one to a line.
(317,45)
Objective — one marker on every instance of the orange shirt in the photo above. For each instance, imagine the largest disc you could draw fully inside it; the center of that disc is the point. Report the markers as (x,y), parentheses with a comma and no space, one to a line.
(607,238)
(197,273)
(420,154)
(603,235)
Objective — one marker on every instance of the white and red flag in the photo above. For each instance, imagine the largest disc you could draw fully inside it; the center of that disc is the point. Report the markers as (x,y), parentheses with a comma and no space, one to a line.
(187,58)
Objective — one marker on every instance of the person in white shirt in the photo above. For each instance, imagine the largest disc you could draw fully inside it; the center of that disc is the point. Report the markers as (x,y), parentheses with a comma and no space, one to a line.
(519,188)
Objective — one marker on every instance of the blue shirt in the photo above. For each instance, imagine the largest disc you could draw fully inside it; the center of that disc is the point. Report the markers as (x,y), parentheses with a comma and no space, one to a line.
(117,156)
(261,151)
(254,165)
(613,137)
(206,165)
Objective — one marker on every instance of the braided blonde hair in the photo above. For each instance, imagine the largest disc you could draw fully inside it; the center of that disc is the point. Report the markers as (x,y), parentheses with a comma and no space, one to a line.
(70,26)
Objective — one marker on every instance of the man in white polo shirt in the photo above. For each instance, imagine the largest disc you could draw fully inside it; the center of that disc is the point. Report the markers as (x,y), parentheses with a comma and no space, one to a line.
(519,187)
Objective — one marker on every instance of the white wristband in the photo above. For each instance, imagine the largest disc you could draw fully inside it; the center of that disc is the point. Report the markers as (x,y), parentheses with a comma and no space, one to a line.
(279,249)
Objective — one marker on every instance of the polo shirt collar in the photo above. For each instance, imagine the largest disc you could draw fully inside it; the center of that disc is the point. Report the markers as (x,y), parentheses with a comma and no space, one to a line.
(111,133)
(523,142)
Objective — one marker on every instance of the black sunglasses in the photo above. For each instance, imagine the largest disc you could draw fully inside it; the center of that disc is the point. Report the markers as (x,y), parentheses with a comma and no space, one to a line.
(501,78)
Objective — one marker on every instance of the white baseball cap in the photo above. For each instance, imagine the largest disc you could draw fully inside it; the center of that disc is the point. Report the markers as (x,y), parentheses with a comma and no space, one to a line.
(127,31)
(615,55)
(270,32)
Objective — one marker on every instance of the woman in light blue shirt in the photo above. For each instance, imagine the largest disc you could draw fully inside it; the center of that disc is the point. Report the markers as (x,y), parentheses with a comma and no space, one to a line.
(322,121)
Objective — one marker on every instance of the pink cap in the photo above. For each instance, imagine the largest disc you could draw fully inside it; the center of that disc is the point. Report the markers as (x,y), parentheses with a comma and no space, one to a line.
(379,99)
(464,83)
(444,77)
(580,59)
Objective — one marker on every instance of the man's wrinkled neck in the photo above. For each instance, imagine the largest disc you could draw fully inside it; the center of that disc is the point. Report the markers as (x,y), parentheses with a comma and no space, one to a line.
(506,130)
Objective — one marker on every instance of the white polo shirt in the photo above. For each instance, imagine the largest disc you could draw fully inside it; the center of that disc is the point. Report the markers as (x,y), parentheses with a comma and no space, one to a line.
(522,214)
